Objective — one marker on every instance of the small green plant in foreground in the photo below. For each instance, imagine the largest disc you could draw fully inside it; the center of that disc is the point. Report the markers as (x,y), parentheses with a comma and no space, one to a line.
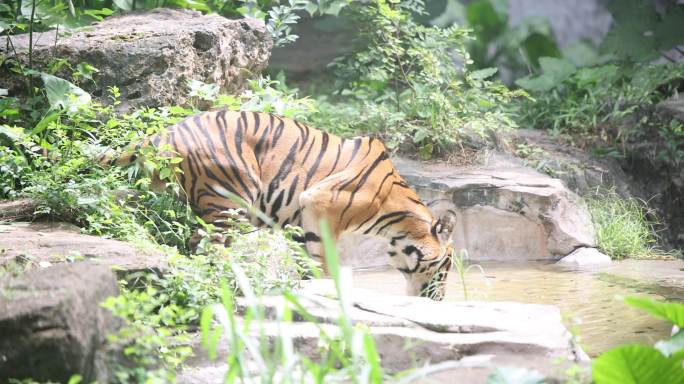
(624,227)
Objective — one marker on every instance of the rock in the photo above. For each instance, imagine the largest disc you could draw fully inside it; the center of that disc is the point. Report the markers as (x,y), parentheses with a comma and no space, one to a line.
(412,331)
(673,107)
(53,243)
(52,325)
(580,170)
(20,209)
(585,257)
(504,212)
(151,55)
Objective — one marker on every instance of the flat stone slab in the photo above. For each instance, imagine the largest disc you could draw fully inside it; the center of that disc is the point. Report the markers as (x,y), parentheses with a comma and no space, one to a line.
(44,244)
(412,331)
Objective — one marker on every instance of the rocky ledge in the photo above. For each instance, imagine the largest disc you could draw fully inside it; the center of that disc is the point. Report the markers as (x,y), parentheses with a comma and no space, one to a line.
(411,331)
(44,244)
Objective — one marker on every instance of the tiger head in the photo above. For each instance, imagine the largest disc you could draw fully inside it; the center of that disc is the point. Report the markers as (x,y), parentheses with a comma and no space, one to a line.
(424,257)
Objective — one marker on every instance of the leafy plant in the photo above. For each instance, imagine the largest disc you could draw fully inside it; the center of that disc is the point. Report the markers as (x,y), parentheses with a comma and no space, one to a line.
(624,227)
(495,42)
(645,364)
(404,78)
(642,32)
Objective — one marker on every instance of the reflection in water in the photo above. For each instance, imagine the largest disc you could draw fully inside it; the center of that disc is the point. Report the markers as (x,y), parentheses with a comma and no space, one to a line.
(586,299)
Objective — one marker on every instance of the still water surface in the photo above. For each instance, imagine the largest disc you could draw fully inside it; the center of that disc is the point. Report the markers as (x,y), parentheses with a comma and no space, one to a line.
(586,299)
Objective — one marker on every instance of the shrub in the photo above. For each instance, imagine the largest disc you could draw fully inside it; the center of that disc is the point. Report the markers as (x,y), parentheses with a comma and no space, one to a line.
(409,83)
(624,227)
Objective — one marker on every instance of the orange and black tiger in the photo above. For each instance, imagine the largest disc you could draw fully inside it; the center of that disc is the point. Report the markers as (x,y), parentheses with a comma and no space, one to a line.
(299,175)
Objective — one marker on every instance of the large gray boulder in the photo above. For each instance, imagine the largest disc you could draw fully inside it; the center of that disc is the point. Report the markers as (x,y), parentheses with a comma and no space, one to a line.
(43,244)
(151,55)
(52,325)
(412,331)
(506,213)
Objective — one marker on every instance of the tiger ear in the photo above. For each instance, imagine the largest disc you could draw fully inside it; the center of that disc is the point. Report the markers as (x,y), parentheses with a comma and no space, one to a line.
(444,226)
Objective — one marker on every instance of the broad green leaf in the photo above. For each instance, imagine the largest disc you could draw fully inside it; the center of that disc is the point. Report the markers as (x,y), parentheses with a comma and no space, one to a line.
(581,54)
(540,83)
(511,375)
(58,91)
(44,122)
(636,364)
(483,73)
(604,73)
(672,312)
(558,69)
(419,136)
(12,134)
(671,346)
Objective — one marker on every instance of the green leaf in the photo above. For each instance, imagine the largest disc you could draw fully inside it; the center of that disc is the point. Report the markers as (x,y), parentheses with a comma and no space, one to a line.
(558,69)
(58,91)
(511,375)
(125,5)
(425,151)
(165,173)
(672,312)
(483,73)
(485,20)
(606,74)
(636,364)
(581,54)
(540,83)
(419,136)
(44,122)
(671,346)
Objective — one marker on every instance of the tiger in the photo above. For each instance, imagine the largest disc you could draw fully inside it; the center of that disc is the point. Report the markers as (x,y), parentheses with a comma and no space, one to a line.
(298,175)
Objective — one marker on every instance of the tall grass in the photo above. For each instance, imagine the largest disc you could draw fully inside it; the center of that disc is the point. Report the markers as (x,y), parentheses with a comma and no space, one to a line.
(255,356)
(624,227)
(258,353)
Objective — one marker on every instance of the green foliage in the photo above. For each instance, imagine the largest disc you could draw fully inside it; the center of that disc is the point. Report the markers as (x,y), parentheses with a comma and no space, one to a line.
(409,83)
(624,227)
(672,312)
(641,32)
(636,364)
(497,44)
(645,364)
(270,96)
(347,355)
(593,100)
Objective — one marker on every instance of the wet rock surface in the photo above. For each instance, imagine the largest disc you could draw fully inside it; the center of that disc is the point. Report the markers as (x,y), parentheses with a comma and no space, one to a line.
(151,55)
(411,331)
(52,324)
(43,244)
